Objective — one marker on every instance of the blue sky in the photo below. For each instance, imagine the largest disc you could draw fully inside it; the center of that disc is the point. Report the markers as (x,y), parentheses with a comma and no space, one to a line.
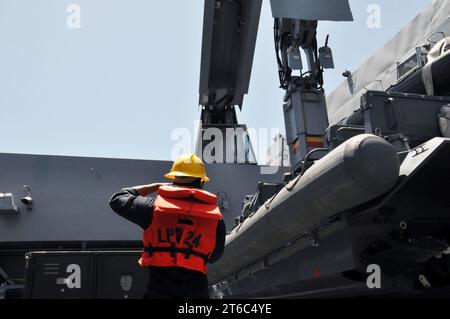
(119,85)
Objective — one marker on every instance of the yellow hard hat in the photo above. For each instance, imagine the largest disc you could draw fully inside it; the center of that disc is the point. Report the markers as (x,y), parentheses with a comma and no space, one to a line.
(188,166)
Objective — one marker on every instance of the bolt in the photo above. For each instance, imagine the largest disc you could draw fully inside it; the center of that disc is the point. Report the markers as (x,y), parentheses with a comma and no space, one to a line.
(424,281)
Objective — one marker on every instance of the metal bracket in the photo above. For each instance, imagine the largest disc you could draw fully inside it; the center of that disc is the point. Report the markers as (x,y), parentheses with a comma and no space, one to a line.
(6,277)
(419,150)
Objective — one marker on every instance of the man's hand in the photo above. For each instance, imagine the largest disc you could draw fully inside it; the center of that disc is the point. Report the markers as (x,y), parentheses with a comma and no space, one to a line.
(145,190)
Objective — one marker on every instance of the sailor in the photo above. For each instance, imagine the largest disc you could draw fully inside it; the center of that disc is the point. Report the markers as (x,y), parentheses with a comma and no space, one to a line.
(183,229)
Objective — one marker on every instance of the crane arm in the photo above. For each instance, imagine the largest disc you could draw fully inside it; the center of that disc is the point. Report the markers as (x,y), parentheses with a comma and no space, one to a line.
(230,28)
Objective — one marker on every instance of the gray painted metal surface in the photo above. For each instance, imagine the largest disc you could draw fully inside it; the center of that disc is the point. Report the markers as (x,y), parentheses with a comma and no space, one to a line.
(413,115)
(48,275)
(379,72)
(422,155)
(336,10)
(71,195)
(359,170)
(305,115)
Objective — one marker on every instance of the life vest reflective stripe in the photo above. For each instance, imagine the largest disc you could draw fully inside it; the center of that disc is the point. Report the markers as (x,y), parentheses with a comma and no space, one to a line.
(183,229)
(186,251)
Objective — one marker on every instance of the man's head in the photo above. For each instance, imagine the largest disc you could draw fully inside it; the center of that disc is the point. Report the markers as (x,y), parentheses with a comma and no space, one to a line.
(188,170)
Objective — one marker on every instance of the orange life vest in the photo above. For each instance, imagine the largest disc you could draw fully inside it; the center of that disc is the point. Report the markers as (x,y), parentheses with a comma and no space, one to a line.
(183,229)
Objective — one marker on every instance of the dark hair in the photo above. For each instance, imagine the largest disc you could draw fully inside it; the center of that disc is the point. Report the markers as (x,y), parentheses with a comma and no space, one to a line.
(197,183)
